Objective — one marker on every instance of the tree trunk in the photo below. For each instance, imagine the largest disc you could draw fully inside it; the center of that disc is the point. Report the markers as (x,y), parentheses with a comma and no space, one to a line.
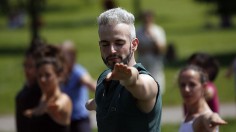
(34,11)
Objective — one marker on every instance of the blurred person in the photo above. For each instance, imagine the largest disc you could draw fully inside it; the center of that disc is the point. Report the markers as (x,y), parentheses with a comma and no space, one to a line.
(76,85)
(231,71)
(127,97)
(210,65)
(171,54)
(29,96)
(109,4)
(152,47)
(199,118)
(16,18)
(53,112)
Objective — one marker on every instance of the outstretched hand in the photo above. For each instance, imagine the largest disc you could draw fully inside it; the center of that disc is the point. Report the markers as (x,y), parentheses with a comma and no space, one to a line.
(208,122)
(120,72)
(214,120)
(125,74)
(53,107)
(91,105)
(28,113)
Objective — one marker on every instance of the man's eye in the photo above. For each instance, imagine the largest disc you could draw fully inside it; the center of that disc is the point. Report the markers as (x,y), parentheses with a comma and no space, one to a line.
(120,42)
(103,44)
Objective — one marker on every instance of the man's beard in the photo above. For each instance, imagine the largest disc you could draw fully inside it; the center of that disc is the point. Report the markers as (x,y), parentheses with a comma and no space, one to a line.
(126,60)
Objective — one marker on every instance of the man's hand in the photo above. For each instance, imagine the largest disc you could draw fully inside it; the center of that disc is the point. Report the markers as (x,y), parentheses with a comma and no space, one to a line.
(123,73)
(91,105)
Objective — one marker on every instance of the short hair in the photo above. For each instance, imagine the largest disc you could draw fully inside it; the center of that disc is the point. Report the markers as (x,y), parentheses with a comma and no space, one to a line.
(116,16)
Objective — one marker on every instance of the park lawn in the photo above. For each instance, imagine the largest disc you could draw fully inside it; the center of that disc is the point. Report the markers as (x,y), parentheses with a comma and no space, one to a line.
(175,127)
(76,20)
(225,128)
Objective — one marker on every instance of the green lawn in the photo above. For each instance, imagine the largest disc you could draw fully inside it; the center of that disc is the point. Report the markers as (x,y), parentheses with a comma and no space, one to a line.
(183,21)
(230,127)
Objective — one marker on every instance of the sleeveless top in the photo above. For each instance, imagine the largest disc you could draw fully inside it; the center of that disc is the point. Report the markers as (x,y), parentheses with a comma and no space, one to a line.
(186,126)
(45,123)
(117,111)
(26,98)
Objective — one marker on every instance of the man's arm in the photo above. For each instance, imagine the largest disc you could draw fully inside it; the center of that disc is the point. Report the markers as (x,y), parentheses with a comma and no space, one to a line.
(143,87)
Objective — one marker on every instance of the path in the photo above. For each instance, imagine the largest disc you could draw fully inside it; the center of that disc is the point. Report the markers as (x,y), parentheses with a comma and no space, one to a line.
(170,115)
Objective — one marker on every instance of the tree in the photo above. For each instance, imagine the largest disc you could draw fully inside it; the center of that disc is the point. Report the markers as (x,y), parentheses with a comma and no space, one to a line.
(32,7)
(225,9)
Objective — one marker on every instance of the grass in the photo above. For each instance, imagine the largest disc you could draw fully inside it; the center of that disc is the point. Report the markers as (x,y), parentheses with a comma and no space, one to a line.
(175,127)
(76,20)
(183,21)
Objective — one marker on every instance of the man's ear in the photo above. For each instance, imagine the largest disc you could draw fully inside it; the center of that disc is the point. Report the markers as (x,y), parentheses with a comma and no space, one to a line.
(134,44)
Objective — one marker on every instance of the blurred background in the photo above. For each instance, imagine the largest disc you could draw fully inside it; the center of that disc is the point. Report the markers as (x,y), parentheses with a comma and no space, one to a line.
(190,26)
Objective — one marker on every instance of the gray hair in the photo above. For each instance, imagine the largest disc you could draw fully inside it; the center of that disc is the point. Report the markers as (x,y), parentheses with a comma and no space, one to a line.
(116,16)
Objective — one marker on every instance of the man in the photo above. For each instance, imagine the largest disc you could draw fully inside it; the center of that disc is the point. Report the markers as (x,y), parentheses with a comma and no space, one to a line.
(77,84)
(152,47)
(127,98)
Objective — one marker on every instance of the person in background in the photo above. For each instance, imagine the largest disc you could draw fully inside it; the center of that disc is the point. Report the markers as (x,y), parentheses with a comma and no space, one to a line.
(152,47)
(231,71)
(29,96)
(210,65)
(109,4)
(127,97)
(76,86)
(199,117)
(53,112)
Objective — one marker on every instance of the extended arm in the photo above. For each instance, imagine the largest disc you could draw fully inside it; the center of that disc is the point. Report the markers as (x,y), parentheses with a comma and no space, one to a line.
(208,122)
(91,105)
(143,87)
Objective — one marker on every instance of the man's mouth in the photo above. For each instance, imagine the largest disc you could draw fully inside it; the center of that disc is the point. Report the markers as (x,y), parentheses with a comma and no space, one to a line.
(114,58)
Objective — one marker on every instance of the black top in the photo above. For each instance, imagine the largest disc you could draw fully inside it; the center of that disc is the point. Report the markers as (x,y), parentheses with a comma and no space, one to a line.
(45,123)
(117,110)
(26,98)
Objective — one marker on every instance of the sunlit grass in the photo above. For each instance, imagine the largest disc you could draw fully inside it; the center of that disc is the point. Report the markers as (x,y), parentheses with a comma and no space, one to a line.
(76,20)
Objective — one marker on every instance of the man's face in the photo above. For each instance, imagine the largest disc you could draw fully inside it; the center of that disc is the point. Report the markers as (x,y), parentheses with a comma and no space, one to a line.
(30,70)
(115,44)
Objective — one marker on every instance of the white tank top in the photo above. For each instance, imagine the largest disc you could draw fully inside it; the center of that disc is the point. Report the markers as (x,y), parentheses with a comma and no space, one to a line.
(186,126)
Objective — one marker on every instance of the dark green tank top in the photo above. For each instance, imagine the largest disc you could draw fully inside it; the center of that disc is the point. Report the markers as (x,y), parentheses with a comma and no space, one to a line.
(117,111)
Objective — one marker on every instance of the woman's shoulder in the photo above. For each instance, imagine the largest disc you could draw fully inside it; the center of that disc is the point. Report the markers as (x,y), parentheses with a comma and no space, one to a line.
(65,98)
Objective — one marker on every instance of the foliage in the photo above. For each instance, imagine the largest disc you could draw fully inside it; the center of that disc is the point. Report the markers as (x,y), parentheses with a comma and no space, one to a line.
(223,6)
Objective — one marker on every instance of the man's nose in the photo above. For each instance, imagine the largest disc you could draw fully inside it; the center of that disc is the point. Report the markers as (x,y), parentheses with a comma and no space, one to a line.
(113,48)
